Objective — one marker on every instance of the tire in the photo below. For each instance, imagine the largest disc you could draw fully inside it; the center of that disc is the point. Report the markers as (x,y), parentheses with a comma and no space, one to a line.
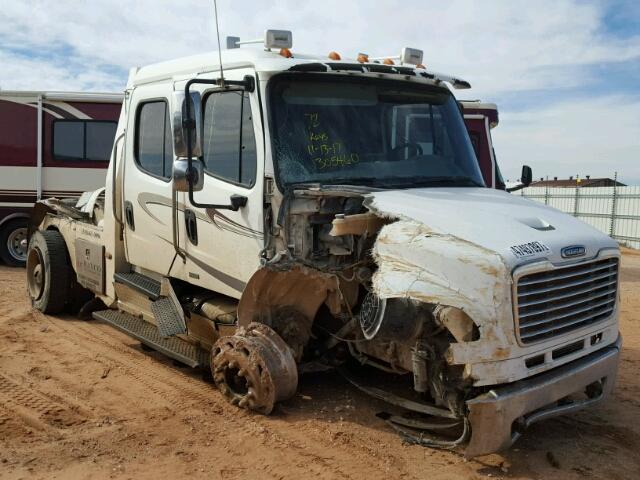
(13,238)
(48,271)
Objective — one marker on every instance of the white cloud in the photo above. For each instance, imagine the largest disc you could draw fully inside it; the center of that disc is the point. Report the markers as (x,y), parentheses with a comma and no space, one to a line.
(500,46)
(579,137)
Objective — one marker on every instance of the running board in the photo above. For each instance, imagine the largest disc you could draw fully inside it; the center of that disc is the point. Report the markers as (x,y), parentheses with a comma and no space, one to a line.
(148,334)
(139,282)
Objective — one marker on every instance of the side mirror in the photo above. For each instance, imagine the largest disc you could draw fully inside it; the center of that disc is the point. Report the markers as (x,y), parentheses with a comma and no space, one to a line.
(182,174)
(181,123)
(526,176)
(525,179)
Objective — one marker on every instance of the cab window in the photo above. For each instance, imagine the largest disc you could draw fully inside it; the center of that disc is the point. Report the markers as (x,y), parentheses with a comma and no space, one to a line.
(153,148)
(229,145)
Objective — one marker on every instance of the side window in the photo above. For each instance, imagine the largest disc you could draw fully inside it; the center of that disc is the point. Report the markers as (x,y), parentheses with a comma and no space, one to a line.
(154,149)
(90,140)
(229,149)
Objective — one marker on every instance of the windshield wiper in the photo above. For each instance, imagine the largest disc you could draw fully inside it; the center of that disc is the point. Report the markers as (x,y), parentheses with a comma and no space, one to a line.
(394,182)
(457,180)
(346,182)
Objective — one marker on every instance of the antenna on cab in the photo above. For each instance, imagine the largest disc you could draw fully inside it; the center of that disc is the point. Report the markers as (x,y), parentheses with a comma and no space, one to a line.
(215,11)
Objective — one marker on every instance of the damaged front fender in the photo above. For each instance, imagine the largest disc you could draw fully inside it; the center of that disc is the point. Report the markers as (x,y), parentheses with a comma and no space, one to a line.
(416,262)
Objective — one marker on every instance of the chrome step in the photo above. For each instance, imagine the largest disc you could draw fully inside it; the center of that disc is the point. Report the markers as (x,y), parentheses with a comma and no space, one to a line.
(148,334)
(168,317)
(140,282)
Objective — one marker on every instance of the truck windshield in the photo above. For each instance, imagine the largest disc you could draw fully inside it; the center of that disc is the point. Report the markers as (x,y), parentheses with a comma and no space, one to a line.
(363,131)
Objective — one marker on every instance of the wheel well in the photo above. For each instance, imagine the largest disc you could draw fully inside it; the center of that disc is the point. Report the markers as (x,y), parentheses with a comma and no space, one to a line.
(13,216)
(38,213)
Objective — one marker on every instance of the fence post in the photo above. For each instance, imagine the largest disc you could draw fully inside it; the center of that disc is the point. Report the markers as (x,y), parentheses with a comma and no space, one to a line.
(613,205)
(546,195)
(575,202)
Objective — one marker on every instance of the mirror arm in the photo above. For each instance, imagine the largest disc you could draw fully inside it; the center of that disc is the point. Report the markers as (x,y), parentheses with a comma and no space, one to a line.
(247,83)
(516,188)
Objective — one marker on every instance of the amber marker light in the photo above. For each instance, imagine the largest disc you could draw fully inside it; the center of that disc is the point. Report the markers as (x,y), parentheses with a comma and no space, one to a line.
(388,61)
(421,66)
(335,56)
(363,58)
(286,53)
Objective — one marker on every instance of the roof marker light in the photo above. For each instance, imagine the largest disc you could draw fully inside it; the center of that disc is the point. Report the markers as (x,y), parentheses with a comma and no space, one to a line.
(286,53)
(411,56)
(334,56)
(420,65)
(363,58)
(272,39)
(388,61)
(278,39)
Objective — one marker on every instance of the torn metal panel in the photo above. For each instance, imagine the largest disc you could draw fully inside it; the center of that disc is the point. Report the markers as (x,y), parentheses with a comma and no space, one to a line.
(417,263)
(457,322)
(299,287)
(358,224)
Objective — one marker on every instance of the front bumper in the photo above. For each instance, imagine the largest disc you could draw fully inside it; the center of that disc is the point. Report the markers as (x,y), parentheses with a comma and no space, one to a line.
(492,415)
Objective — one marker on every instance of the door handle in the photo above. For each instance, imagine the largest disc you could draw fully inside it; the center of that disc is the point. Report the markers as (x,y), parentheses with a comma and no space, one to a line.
(191,223)
(128,213)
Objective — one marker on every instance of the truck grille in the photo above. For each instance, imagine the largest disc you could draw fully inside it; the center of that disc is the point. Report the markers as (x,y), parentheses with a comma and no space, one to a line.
(555,302)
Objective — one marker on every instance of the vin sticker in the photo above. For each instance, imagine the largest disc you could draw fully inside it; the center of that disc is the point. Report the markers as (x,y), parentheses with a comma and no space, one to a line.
(529,249)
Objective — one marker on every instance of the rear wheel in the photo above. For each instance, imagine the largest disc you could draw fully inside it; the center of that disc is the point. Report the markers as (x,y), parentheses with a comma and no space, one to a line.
(48,271)
(13,242)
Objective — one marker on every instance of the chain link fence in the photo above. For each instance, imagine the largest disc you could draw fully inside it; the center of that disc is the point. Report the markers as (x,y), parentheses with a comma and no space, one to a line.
(613,210)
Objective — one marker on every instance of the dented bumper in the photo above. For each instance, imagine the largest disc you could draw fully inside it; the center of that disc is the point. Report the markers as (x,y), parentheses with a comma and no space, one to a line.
(493,414)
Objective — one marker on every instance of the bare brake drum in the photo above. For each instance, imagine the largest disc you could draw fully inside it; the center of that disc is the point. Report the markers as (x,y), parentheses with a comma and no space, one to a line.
(254,368)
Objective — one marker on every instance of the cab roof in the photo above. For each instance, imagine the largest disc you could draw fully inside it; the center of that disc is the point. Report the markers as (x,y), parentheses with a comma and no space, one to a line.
(271,61)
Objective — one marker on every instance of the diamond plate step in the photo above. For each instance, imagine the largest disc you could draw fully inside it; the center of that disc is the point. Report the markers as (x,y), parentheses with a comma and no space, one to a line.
(140,282)
(148,334)
(170,322)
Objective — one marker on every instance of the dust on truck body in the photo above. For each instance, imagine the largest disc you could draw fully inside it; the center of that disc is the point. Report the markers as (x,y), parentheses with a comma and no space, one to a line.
(51,144)
(307,211)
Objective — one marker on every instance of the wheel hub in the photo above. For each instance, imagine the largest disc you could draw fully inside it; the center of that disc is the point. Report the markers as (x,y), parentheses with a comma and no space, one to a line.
(17,244)
(35,274)
(254,368)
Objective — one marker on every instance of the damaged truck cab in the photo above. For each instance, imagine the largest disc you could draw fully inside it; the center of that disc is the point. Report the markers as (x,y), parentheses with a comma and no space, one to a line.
(295,212)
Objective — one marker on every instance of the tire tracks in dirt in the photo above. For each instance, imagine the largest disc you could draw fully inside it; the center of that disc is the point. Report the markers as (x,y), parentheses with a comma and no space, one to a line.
(177,388)
(35,408)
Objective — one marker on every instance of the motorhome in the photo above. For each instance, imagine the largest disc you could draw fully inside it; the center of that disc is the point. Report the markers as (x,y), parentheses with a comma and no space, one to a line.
(52,144)
(268,212)
(481,118)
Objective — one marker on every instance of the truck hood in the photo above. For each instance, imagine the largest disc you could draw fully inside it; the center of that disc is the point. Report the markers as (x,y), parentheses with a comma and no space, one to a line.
(495,220)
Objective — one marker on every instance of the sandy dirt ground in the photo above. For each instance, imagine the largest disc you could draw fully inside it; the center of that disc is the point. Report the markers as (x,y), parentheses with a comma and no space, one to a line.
(79,400)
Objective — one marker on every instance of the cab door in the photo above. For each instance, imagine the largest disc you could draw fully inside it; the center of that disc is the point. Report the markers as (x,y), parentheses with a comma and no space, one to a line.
(148,187)
(223,246)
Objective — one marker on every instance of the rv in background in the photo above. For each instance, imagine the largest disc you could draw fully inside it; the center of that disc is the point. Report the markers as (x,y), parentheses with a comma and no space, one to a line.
(52,144)
(480,119)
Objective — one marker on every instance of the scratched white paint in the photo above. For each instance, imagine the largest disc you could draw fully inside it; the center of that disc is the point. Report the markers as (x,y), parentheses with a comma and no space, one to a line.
(443,249)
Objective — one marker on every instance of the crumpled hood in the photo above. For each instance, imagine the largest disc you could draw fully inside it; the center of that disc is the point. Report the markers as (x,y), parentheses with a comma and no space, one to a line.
(493,219)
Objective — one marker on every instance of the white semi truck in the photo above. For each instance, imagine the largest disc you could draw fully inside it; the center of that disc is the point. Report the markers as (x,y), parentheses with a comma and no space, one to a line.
(302,212)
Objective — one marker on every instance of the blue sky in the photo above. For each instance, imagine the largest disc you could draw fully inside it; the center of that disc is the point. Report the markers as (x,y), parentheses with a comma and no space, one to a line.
(565,74)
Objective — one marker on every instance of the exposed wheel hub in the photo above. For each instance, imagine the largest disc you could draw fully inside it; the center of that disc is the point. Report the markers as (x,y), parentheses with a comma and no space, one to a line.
(254,368)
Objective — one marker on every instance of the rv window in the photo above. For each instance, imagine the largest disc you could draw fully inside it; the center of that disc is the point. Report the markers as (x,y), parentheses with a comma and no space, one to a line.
(68,140)
(154,153)
(83,140)
(99,140)
(229,141)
